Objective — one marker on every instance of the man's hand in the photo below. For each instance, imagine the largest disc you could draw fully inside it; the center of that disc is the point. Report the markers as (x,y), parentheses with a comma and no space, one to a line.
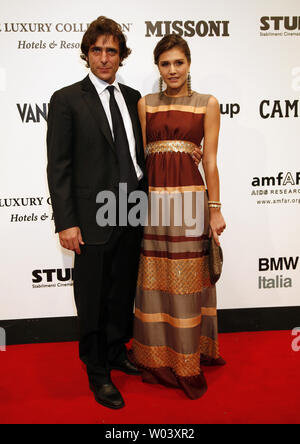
(197,155)
(71,239)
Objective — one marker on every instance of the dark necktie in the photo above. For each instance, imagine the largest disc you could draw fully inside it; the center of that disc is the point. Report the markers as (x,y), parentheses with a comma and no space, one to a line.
(127,170)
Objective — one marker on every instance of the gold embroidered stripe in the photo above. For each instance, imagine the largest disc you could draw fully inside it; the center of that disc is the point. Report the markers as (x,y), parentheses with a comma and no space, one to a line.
(160,357)
(183,365)
(166,274)
(165,146)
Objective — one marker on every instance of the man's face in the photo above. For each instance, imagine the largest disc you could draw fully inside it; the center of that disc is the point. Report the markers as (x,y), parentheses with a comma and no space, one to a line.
(104,58)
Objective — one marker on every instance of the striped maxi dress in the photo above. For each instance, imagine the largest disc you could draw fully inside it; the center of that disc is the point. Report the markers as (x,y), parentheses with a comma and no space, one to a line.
(175,327)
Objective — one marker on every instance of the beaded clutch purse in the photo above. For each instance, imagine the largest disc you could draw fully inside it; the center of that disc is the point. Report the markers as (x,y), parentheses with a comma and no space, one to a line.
(215,261)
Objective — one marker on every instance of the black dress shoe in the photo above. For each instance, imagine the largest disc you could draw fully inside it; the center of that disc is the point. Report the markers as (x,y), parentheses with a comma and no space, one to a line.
(108,395)
(126,367)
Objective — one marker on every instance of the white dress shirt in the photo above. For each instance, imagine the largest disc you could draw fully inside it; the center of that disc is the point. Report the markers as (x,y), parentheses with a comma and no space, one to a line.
(104,95)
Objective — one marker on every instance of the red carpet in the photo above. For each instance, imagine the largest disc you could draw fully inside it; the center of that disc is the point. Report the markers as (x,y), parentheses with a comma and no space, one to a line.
(46,384)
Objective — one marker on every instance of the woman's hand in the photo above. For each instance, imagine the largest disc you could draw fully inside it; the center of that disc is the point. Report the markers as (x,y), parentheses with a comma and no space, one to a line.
(197,155)
(217,224)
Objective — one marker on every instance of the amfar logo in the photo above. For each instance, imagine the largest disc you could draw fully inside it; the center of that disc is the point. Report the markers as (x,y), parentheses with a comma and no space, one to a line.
(282,179)
(189,28)
(53,277)
(284,185)
(280,23)
(33,113)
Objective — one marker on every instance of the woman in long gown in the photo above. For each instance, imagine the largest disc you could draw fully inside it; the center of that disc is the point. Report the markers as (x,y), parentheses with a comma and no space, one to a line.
(175,329)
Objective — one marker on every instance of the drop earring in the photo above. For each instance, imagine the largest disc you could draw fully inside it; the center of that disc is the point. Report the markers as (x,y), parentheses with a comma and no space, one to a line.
(189,85)
(161,85)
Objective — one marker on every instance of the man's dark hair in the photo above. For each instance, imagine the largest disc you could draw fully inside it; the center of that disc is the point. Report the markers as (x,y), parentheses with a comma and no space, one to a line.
(104,26)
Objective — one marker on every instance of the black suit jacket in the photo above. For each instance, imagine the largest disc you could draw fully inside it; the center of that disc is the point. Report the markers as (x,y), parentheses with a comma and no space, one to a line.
(82,160)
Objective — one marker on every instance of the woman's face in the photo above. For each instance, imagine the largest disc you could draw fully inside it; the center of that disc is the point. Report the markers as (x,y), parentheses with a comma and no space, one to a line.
(174,68)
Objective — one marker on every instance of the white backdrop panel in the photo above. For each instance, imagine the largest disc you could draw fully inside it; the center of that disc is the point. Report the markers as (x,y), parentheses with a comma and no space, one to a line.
(254,73)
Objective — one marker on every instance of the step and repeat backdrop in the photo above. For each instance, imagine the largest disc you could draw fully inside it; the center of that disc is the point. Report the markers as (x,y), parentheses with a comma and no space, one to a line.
(246,53)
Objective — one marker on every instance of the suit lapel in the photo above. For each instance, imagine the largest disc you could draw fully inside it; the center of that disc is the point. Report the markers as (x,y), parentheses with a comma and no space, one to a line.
(93,101)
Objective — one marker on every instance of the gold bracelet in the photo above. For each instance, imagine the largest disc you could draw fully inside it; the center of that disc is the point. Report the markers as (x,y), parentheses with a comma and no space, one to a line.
(214,202)
(214,206)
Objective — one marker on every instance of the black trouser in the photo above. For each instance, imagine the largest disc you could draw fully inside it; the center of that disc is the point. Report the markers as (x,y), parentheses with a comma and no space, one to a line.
(104,286)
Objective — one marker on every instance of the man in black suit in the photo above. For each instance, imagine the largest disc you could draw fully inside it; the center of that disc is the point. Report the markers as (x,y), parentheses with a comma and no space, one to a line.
(95,143)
